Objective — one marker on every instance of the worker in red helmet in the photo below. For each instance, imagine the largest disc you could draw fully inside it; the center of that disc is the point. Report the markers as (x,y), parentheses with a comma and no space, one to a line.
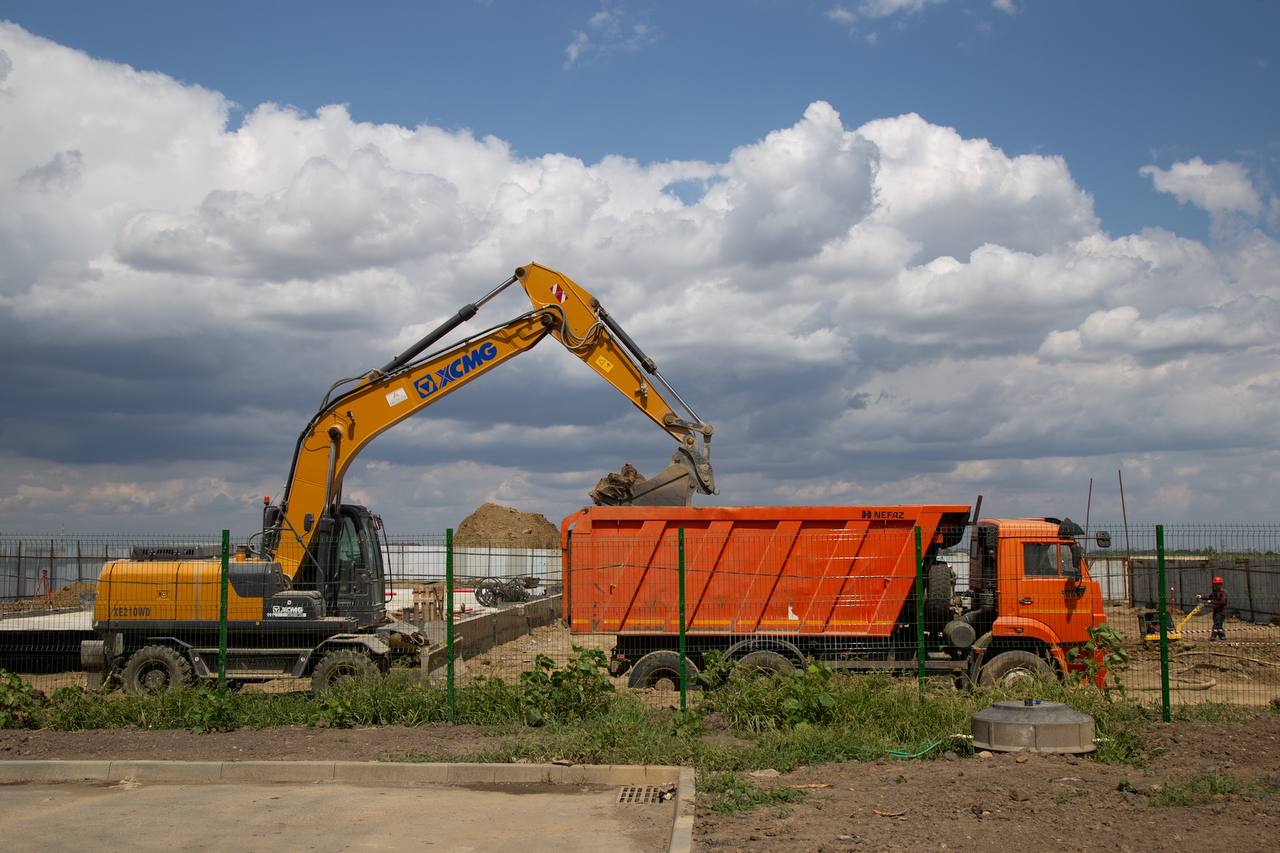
(1218,600)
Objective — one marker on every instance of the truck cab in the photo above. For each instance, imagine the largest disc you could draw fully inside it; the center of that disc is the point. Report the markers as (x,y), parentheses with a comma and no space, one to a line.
(1030,586)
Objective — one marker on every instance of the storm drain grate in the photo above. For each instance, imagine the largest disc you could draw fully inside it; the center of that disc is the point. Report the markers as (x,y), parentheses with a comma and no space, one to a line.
(641,795)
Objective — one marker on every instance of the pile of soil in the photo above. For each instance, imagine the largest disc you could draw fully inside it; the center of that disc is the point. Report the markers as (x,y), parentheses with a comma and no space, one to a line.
(70,597)
(493,524)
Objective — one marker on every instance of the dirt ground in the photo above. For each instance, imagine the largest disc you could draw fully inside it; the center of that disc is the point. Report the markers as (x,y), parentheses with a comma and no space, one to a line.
(1000,803)
(1243,670)
(493,524)
(1037,803)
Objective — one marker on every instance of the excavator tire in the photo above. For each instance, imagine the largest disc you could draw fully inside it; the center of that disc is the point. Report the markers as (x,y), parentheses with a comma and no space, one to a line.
(656,668)
(154,669)
(339,665)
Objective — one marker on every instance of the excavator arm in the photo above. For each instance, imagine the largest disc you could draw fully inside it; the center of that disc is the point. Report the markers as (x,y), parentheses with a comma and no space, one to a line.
(375,402)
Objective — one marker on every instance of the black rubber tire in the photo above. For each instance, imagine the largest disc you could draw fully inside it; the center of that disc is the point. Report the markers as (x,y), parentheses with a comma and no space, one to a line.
(1012,668)
(937,596)
(765,662)
(345,663)
(154,669)
(657,667)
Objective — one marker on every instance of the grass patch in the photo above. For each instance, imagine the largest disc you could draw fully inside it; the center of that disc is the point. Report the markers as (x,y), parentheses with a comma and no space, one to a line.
(809,716)
(1196,791)
(729,794)
(1207,788)
(1213,712)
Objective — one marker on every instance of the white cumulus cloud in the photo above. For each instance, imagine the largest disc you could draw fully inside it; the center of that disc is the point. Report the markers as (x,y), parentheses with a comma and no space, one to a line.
(885,312)
(1222,187)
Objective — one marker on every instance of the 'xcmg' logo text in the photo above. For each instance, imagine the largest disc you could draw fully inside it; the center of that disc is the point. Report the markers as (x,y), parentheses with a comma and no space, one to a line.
(456,369)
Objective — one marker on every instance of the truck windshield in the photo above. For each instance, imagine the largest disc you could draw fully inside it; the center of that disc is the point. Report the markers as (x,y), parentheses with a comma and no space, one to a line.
(1051,559)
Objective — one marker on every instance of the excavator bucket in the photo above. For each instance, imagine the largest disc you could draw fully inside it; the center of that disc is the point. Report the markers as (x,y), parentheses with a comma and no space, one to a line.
(672,486)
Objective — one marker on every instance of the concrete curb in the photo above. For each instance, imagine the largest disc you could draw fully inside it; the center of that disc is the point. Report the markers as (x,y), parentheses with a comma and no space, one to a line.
(369,773)
(350,772)
(682,830)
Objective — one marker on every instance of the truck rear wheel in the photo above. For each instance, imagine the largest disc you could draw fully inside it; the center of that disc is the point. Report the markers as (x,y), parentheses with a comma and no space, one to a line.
(765,662)
(659,669)
(154,669)
(1012,668)
(338,666)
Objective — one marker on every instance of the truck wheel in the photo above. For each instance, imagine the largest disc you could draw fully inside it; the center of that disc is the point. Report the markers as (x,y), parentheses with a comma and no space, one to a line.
(154,669)
(764,662)
(937,598)
(1012,668)
(338,666)
(662,670)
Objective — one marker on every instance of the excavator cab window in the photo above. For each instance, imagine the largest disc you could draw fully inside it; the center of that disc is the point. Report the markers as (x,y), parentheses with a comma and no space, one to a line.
(351,557)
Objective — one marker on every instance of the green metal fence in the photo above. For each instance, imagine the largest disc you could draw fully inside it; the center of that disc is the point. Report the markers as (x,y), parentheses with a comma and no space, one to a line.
(492,611)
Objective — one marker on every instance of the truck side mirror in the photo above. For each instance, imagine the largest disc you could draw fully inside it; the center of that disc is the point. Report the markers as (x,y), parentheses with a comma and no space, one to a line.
(1103,539)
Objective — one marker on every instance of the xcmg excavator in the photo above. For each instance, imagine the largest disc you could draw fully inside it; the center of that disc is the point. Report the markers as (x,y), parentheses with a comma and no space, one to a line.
(307,598)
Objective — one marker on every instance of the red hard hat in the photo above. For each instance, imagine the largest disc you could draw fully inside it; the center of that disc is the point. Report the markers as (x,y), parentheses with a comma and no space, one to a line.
(1217,580)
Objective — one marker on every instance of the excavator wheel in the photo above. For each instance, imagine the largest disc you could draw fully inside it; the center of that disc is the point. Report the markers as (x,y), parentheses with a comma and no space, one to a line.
(338,666)
(154,669)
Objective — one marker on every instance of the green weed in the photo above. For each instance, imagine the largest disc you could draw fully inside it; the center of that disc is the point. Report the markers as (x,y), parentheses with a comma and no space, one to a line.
(1197,791)
(728,794)
(19,704)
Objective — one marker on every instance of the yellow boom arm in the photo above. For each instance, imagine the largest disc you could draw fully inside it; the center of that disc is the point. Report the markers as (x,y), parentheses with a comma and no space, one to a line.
(409,383)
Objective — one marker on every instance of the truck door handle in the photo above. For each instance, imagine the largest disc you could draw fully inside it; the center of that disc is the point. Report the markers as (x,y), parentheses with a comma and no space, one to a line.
(1024,600)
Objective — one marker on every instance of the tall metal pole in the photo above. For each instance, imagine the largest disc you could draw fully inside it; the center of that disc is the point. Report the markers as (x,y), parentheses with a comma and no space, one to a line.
(1164,627)
(1124,513)
(919,610)
(222,610)
(684,669)
(448,621)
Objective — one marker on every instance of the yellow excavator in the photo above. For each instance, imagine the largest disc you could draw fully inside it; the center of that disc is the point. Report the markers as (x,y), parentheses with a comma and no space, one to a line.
(307,597)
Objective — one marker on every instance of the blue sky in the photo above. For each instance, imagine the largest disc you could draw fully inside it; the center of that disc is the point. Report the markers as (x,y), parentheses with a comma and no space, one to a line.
(1110,86)
(915,250)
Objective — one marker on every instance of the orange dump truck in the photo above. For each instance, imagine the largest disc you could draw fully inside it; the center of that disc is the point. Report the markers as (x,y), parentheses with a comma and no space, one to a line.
(771,587)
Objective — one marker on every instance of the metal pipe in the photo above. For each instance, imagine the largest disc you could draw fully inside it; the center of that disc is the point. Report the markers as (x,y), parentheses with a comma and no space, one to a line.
(335,439)
(465,313)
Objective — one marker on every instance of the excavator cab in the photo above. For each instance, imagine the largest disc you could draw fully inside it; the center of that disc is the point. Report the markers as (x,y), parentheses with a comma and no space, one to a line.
(345,565)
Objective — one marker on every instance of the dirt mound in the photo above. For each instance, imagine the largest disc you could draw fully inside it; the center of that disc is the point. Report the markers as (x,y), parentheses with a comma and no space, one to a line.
(492,524)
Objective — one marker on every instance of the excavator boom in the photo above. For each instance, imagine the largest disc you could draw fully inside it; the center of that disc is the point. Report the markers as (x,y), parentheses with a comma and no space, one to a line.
(375,402)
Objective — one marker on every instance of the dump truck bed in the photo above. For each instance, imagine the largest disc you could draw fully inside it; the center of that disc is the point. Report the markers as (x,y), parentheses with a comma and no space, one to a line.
(825,570)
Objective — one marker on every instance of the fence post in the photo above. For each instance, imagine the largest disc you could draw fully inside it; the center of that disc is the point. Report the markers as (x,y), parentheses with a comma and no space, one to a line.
(919,610)
(684,670)
(448,622)
(222,610)
(17,583)
(1163,601)
(566,575)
